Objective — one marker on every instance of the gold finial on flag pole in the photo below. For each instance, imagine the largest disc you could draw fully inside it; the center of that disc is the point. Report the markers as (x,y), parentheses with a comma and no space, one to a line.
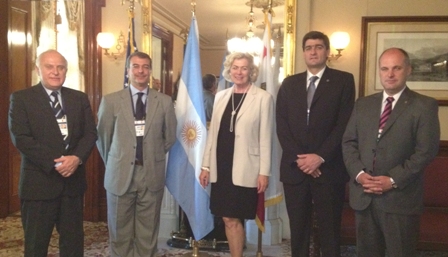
(131,4)
(193,7)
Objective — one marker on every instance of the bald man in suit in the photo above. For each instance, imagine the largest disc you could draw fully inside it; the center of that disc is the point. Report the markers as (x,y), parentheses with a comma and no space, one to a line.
(53,149)
(133,149)
(386,160)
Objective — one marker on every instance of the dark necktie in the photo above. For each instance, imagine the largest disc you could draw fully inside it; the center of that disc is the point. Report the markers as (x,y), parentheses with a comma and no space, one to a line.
(56,105)
(310,95)
(386,113)
(139,115)
(139,107)
(58,112)
(311,90)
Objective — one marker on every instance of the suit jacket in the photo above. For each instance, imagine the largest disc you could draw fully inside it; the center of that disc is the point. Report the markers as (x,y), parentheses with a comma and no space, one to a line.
(209,99)
(35,132)
(408,143)
(329,113)
(254,129)
(117,140)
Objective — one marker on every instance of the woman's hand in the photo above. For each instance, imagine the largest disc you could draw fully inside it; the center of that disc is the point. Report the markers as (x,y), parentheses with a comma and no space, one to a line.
(263,182)
(204,178)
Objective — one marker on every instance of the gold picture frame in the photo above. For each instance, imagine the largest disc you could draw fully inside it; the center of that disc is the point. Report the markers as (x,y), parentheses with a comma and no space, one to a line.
(423,37)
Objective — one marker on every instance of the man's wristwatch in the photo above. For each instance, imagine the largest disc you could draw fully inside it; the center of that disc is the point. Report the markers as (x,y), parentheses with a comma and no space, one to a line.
(394,185)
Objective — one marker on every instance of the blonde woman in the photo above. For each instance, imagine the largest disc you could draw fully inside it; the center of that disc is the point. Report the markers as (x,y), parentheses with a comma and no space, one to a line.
(237,156)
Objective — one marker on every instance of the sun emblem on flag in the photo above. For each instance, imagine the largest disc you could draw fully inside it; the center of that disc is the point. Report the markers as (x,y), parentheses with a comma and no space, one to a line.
(191,133)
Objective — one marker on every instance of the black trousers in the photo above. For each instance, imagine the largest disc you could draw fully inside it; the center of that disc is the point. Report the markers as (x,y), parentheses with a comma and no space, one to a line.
(327,201)
(40,217)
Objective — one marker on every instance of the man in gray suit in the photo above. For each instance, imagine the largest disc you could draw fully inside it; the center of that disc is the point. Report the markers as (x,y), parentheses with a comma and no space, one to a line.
(136,128)
(386,160)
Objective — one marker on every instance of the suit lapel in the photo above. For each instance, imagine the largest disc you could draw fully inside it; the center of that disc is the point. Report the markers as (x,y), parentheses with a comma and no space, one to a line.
(324,83)
(221,103)
(68,104)
(399,108)
(298,92)
(126,105)
(250,97)
(152,103)
(43,100)
(373,116)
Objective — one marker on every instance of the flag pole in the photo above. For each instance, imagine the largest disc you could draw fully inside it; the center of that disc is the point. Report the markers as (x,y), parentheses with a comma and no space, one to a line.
(259,250)
(194,243)
(196,252)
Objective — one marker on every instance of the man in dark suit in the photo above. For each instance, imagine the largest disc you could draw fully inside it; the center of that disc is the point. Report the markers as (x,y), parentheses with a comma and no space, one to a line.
(312,169)
(54,130)
(136,128)
(390,139)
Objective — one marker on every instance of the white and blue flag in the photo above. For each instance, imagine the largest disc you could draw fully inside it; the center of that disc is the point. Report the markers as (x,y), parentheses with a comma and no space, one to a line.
(185,158)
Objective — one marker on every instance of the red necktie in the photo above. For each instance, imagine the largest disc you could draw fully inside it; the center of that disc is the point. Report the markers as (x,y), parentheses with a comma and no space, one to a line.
(386,113)
(383,119)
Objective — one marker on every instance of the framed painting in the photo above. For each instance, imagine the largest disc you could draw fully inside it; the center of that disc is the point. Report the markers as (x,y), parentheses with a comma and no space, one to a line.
(426,41)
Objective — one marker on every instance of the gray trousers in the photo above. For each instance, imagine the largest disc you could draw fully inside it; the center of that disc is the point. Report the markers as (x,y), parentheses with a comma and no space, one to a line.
(379,232)
(134,219)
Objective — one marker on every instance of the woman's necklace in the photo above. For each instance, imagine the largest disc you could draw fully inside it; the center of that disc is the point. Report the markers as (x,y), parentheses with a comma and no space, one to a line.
(238,106)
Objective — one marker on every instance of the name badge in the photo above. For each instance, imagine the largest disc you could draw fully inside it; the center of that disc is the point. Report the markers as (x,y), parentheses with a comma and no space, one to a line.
(62,123)
(139,127)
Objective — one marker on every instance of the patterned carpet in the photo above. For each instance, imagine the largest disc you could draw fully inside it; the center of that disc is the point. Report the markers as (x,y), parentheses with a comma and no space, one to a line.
(95,244)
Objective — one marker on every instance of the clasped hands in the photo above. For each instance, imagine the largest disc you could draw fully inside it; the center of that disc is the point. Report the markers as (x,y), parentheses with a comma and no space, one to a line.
(309,164)
(374,184)
(262,183)
(67,165)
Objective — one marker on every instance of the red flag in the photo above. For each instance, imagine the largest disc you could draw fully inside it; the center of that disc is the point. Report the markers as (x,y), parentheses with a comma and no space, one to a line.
(259,219)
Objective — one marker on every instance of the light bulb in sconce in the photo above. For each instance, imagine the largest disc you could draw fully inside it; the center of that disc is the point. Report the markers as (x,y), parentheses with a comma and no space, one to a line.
(106,40)
(338,40)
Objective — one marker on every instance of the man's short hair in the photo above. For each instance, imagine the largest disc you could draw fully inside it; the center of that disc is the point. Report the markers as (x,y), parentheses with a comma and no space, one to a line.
(208,81)
(140,55)
(316,35)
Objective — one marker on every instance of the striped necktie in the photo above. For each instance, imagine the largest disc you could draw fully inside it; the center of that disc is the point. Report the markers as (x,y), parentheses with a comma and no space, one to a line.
(56,105)
(386,113)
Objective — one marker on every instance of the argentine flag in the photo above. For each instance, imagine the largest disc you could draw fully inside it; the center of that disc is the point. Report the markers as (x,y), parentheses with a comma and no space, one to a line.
(185,158)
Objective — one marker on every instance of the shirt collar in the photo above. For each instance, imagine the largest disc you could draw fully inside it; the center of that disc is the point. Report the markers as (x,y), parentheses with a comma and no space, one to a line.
(396,96)
(319,74)
(51,91)
(134,90)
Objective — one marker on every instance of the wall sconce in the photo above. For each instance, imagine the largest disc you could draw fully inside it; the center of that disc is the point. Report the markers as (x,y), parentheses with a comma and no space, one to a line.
(339,40)
(184,34)
(106,40)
